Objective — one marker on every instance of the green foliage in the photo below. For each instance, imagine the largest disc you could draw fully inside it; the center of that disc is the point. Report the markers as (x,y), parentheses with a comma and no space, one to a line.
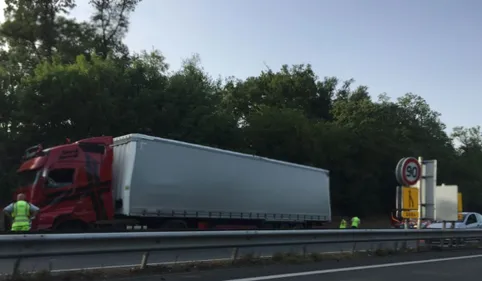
(62,78)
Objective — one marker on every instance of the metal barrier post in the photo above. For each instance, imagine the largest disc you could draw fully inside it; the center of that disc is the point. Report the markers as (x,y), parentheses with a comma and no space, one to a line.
(144,260)
(234,255)
(16,267)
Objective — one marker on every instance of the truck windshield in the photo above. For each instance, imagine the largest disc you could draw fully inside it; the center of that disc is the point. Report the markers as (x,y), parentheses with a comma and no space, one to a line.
(28,178)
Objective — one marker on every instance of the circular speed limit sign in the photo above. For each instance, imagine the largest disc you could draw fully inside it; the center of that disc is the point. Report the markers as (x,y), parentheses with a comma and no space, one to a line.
(408,171)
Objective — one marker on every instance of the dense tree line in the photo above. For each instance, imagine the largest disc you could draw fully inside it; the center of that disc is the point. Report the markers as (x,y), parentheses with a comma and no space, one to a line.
(63,78)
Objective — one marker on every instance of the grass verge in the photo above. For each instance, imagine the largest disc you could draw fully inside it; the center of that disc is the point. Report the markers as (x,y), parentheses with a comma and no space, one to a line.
(246,260)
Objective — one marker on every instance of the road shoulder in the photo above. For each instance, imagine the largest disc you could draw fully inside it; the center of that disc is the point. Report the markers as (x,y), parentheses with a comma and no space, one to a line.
(275,269)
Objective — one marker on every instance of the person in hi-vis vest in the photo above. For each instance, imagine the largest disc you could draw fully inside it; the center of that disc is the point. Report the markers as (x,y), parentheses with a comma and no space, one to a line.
(21,212)
(355,222)
(343,223)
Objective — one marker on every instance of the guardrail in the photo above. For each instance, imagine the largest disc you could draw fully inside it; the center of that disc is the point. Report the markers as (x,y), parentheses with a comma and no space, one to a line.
(46,245)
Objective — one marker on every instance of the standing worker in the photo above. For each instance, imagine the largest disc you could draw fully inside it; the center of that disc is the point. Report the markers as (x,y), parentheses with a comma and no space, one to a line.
(343,223)
(355,222)
(21,212)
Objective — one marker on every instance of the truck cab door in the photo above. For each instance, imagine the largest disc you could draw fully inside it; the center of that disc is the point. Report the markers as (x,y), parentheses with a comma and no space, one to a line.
(59,182)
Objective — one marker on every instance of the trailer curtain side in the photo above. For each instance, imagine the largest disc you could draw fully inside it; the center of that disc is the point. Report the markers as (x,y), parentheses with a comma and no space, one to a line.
(161,177)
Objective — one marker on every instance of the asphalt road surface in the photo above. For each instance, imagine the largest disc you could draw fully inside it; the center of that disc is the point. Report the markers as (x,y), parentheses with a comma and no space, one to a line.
(134,259)
(441,266)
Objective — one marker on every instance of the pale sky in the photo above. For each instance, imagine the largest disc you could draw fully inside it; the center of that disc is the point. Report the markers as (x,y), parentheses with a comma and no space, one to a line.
(431,47)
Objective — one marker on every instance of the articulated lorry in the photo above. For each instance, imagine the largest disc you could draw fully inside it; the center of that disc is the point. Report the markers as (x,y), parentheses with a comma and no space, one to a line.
(113,183)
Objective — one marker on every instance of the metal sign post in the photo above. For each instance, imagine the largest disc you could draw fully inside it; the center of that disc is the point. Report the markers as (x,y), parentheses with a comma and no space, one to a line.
(420,187)
(428,184)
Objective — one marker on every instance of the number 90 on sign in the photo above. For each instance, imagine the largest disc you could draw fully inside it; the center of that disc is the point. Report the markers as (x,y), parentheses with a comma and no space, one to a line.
(411,172)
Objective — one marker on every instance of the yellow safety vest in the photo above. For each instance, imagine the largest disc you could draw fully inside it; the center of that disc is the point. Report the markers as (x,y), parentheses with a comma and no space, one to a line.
(343,224)
(355,221)
(21,214)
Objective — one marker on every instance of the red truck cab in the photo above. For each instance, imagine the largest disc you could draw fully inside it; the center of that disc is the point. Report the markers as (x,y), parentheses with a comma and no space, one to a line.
(70,183)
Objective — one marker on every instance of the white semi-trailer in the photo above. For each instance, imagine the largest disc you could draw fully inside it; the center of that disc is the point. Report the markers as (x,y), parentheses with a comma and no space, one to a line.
(167,184)
(201,186)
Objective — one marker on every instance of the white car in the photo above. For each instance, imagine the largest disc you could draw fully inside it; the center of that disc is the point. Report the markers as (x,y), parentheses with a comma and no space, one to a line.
(468,220)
